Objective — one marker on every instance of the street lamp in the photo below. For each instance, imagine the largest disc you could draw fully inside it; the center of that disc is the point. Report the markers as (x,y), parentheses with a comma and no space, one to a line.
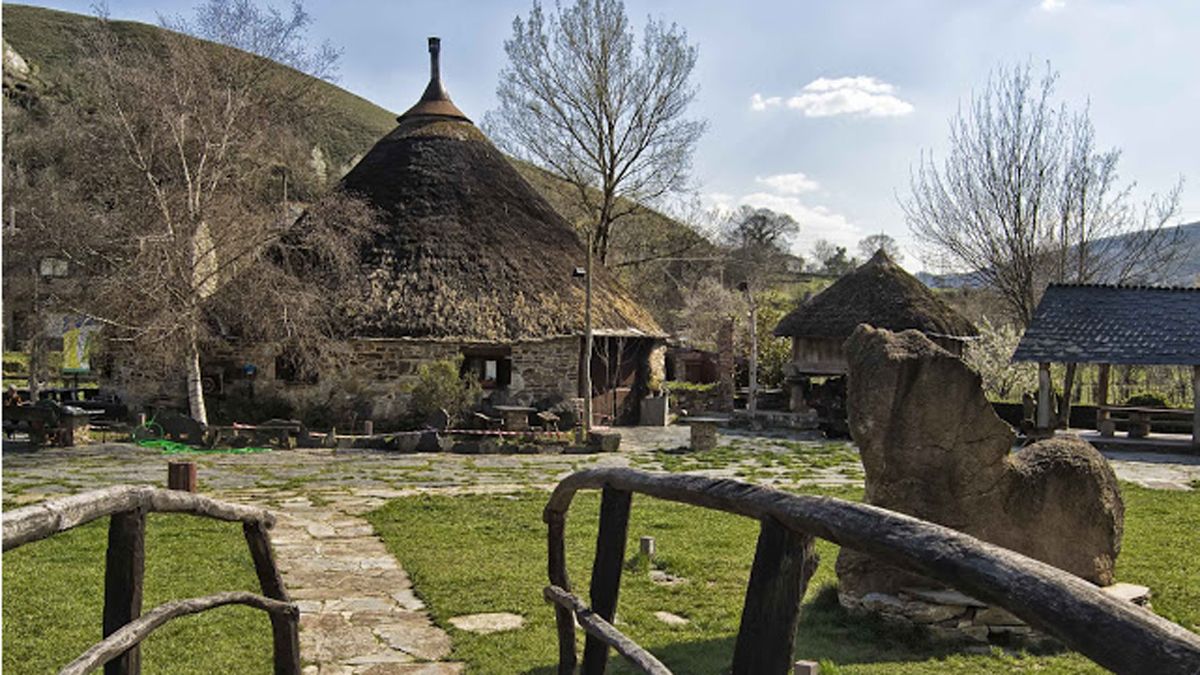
(586,274)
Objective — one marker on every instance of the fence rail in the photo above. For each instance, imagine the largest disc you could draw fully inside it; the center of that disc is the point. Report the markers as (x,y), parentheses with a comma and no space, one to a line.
(1114,633)
(124,625)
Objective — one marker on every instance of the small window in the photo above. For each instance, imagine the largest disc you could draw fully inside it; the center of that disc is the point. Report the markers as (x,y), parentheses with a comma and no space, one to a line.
(52,267)
(491,365)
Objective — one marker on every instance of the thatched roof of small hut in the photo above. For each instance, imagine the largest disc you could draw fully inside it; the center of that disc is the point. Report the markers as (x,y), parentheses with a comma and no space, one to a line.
(879,293)
(469,250)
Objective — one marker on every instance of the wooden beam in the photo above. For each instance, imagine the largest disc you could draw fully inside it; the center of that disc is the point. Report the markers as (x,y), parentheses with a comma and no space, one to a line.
(128,637)
(783,563)
(606,571)
(1114,633)
(602,630)
(285,629)
(1045,404)
(124,569)
(31,523)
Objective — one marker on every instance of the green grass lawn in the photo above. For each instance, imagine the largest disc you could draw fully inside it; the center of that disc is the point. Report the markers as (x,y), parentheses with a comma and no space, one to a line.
(488,554)
(54,599)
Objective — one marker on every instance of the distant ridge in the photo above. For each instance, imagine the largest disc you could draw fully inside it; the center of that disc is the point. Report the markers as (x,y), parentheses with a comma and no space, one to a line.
(1187,275)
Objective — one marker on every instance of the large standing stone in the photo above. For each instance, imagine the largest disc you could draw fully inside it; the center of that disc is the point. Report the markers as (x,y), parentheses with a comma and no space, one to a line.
(933,447)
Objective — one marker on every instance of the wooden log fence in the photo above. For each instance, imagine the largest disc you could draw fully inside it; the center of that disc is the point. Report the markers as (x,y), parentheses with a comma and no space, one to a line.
(1114,633)
(124,626)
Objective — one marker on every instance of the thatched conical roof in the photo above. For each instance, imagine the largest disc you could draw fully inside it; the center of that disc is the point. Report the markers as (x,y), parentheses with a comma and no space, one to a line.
(879,293)
(469,250)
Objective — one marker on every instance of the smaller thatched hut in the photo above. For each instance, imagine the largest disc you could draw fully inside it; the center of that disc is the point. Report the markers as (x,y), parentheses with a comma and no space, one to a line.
(879,293)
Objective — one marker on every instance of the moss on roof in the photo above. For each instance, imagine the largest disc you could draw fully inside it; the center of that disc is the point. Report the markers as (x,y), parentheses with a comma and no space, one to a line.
(879,293)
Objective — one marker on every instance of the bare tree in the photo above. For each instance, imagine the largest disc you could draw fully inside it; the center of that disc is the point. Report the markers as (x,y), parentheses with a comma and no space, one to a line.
(580,99)
(262,30)
(757,242)
(829,258)
(177,164)
(871,244)
(1025,199)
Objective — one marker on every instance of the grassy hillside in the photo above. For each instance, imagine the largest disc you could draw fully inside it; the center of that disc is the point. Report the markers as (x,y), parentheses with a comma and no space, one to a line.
(50,42)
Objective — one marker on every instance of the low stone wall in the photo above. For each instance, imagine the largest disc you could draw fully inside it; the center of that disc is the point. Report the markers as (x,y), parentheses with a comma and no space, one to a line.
(950,616)
(693,400)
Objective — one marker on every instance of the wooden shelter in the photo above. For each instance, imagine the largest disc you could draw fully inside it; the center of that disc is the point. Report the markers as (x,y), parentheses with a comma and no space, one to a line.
(879,293)
(1106,325)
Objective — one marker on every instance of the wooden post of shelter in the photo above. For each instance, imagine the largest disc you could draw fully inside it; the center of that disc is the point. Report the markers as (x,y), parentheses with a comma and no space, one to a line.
(1102,392)
(1196,406)
(1045,403)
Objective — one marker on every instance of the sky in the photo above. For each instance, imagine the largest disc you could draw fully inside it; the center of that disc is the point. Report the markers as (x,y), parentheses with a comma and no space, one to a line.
(821,109)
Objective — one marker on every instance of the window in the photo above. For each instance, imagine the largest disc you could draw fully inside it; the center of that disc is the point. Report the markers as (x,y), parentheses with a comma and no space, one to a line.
(52,267)
(492,365)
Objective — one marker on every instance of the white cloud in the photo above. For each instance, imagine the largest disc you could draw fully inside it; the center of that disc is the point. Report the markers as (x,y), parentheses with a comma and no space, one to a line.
(757,102)
(1052,5)
(789,183)
(825,97)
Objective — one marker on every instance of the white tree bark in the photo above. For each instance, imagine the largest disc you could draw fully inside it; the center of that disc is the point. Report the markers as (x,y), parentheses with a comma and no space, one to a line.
(195,383)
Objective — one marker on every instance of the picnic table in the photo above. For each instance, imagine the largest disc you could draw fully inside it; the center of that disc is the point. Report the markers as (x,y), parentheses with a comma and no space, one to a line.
(703,431)
(48,421)
(1139,418)
(516,417)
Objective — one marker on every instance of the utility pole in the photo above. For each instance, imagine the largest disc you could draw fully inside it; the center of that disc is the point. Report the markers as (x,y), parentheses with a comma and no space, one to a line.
(587,341)
(752,399)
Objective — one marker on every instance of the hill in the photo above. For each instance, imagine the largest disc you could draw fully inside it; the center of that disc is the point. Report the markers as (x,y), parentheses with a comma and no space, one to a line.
(43,55)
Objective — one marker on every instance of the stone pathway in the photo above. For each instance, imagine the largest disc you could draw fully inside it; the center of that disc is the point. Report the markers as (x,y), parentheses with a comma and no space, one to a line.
(358,612)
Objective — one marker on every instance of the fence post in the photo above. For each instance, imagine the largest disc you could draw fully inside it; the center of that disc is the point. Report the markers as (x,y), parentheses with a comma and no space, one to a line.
(564,619)
(285,629)
(606,571)
(783,563)
(124,568)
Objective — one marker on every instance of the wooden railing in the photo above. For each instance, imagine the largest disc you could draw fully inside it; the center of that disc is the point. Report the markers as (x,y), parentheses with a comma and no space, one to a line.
(1114,633)
(124,625)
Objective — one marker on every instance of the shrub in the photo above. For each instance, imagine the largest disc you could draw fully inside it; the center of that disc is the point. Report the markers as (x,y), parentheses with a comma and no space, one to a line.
(440,386)
(1147,399)
(991,356)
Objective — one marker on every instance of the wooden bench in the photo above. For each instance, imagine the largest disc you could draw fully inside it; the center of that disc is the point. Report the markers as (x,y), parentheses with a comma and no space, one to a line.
(1138,418)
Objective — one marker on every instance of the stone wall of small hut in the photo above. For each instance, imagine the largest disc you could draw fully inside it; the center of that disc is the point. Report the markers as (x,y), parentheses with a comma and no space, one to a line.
(375,378)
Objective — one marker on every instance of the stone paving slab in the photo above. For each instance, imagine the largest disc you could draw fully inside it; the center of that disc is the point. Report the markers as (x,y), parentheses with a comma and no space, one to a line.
(358,613)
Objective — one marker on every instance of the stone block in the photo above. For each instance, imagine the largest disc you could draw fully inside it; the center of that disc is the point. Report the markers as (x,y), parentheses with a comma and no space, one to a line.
(1138,595)
(604,441)
(995,616)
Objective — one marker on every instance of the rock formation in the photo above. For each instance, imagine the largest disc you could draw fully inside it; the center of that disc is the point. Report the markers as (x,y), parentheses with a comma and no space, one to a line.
(932,447)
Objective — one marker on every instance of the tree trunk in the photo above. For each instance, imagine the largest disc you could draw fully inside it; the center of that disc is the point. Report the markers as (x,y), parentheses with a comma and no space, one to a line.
(195,382)
(1064,413)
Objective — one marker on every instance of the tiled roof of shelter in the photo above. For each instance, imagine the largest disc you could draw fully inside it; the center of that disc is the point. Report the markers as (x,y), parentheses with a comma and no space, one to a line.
(1136,325)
